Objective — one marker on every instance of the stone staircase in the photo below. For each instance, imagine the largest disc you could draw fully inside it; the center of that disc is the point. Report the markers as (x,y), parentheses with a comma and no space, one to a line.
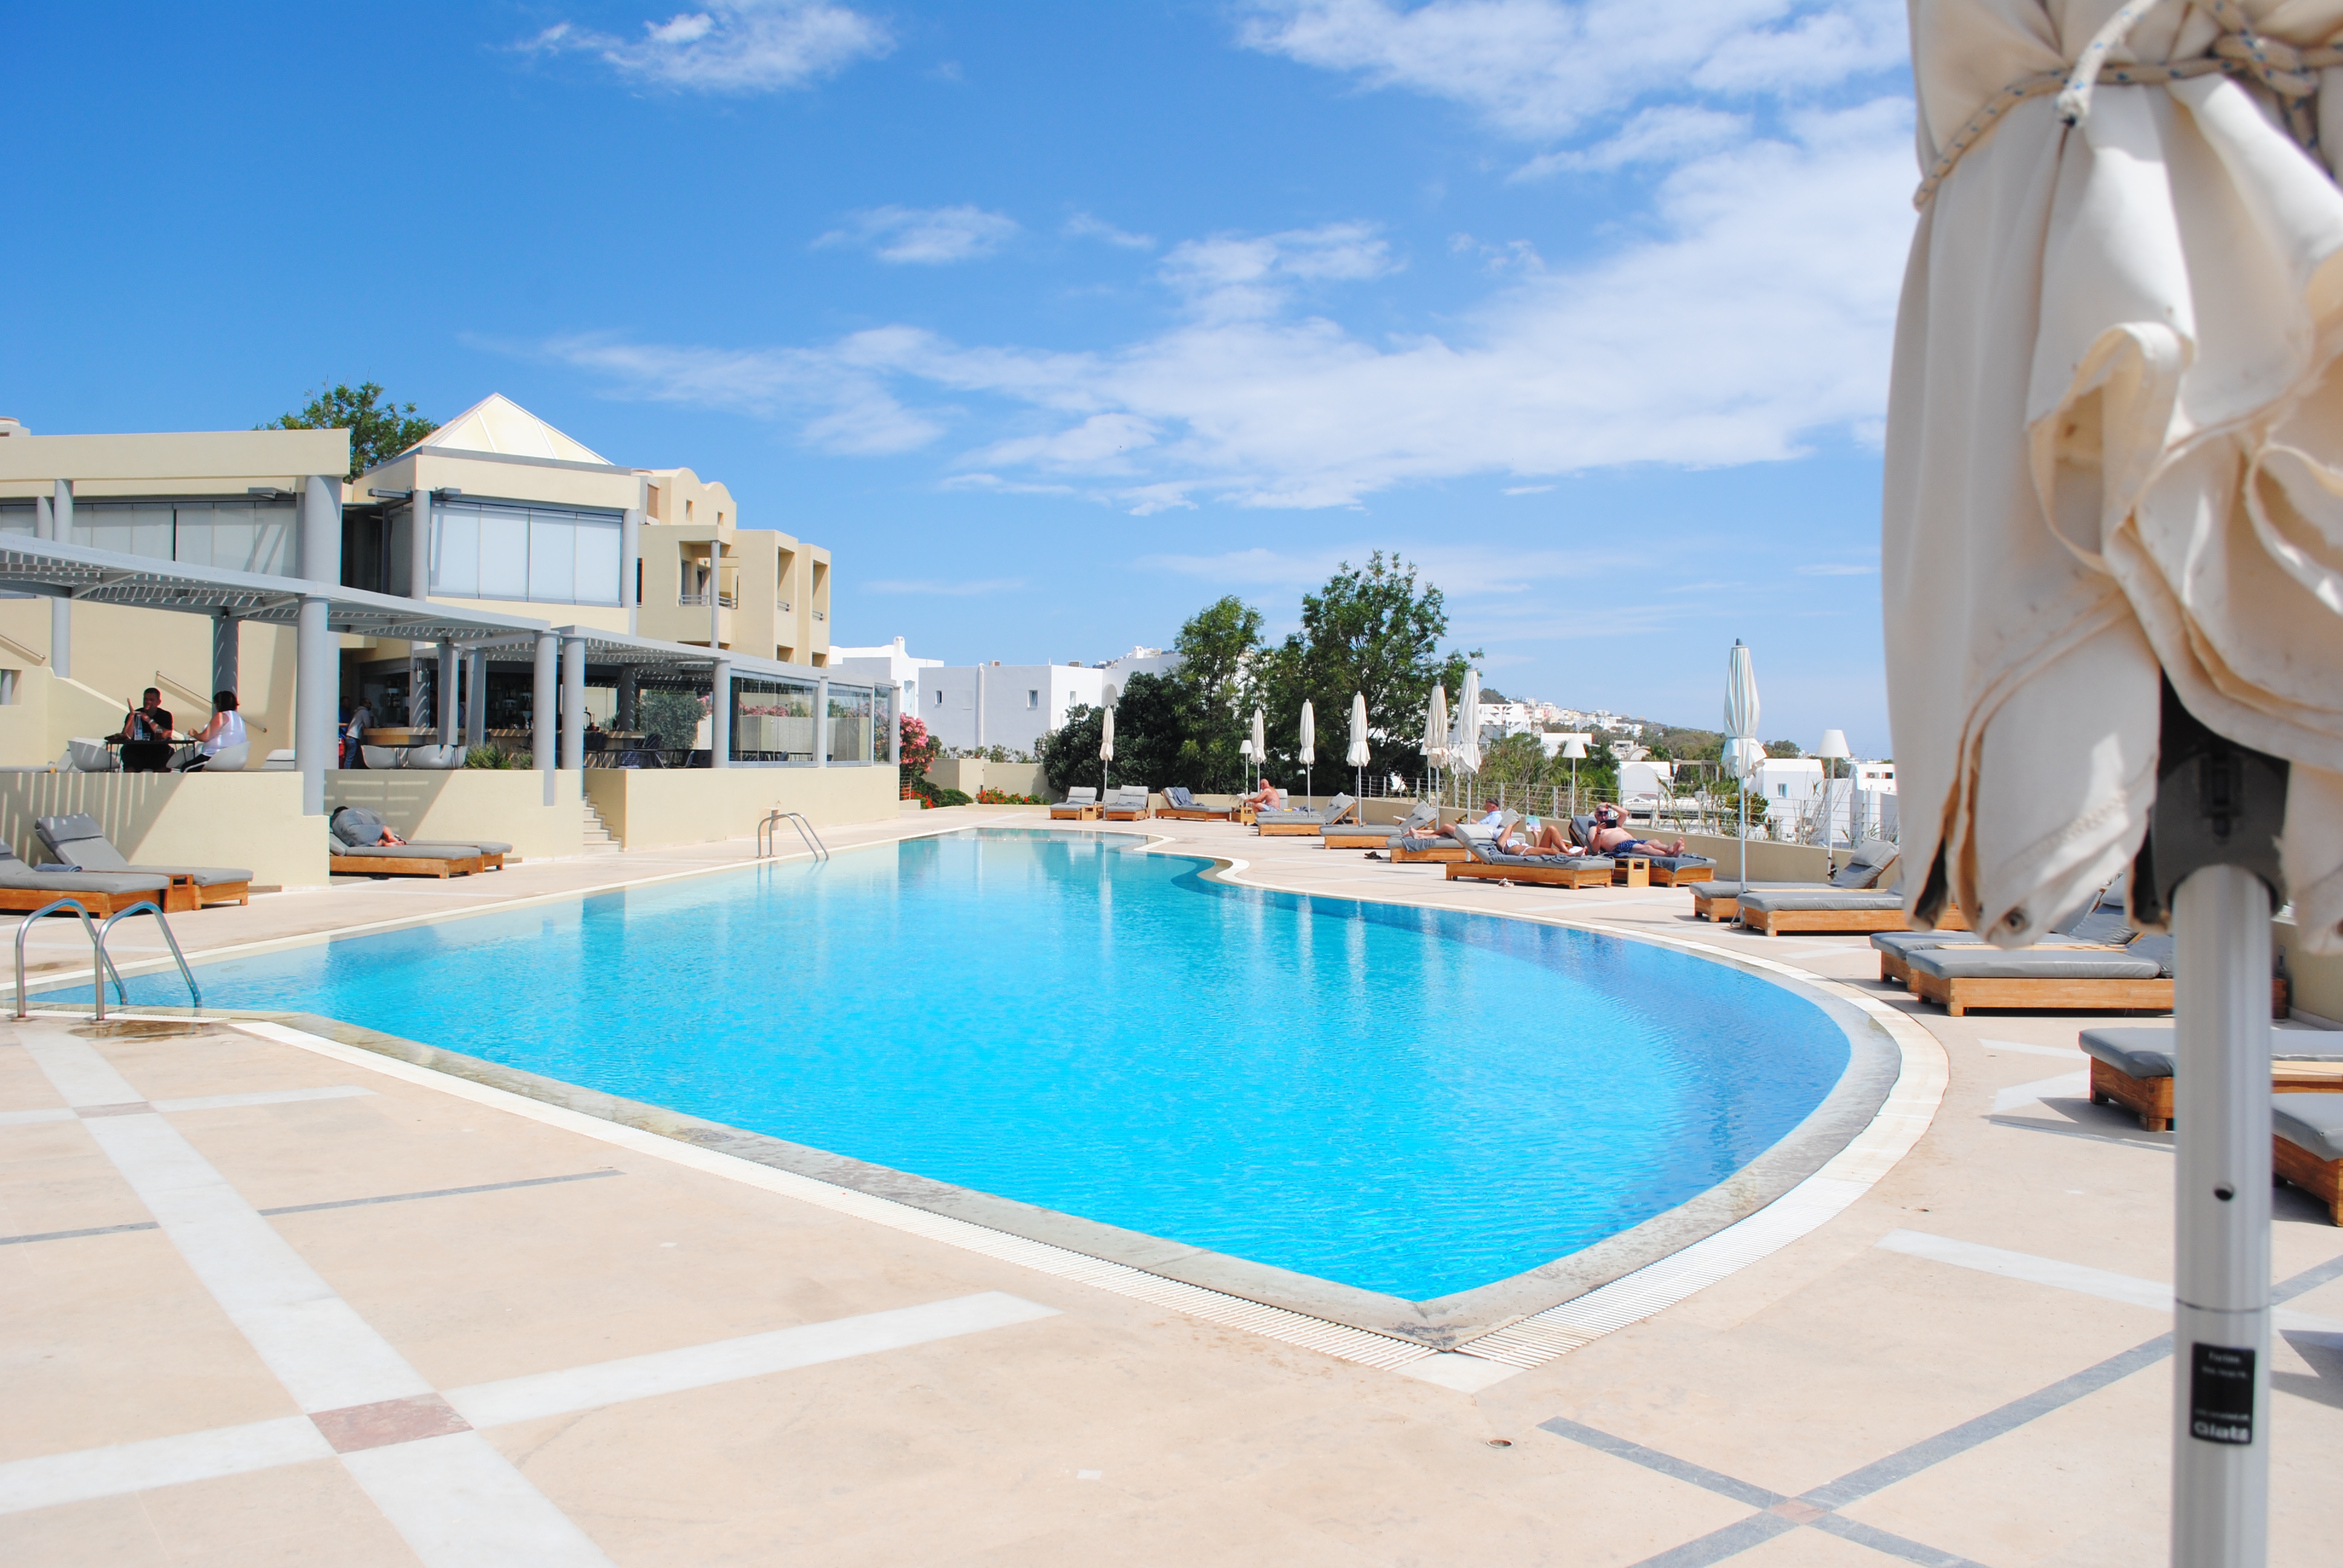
(598,839)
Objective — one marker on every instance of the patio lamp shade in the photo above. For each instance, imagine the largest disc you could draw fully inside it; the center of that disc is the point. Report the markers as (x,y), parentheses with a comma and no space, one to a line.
(1574,749)
(1357,756)
(1466,749)
(1834,745)
(1106,735)
(2113,447)
(1435,728)
(1308,735)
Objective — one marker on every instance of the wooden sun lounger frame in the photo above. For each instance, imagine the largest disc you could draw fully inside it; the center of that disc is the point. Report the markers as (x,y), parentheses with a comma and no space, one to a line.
(1958,995)
(1124,813)
(2321,1178)
(1074,811)
(1194,813)
(1837,922)
(1358,836)
(1307,829)
(2150,1099)
(403,866)
(179,898)
(1663,877)
(1540,876)
(1448,852)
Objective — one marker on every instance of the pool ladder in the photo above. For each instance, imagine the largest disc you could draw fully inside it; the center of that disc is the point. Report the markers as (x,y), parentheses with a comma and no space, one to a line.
(101,961)
(769,830)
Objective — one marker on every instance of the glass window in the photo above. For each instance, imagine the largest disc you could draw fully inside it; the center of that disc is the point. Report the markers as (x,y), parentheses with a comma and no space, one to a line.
(882,721)
(456,553)
(18,517)
(126,527)
(242,536)
(596,577)
(504,551)
(552,556)
(773,721)
(849,724)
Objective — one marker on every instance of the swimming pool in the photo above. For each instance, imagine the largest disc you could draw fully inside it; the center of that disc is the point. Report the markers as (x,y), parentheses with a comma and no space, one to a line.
(1409,1101)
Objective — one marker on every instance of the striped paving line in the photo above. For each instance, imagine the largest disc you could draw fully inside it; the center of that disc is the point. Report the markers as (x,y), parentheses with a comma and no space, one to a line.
(1340,1341)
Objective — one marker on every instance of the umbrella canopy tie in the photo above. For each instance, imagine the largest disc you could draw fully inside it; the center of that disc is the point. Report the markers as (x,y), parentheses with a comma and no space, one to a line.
(2291,74)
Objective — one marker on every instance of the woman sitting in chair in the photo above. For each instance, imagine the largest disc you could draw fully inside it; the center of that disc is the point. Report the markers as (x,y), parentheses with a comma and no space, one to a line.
(225,729)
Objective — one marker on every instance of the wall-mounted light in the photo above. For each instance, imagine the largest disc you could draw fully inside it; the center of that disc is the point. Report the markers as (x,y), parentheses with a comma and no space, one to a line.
(447,493)
(268,492)
(390,495)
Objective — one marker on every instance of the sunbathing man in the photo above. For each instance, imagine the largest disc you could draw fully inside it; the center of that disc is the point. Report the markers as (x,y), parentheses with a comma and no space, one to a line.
(1611,837)
(1265,799)
(1550,839)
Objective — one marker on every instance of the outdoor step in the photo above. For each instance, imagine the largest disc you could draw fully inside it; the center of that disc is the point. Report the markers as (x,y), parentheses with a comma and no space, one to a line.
(596,838)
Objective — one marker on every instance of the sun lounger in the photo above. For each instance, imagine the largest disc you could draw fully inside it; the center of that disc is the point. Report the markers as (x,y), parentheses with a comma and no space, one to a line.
(1490,864)
(1769,912)
(25,887)
(1127,803)
(1080,805)
(353,838)
(2103,925)
(365,828)
(78,840)
(1863,870)
(1306,823)
(1181,806)
(1383,835)
(2306,1146)
(2087,979)
(2133,1068)
(1436,847)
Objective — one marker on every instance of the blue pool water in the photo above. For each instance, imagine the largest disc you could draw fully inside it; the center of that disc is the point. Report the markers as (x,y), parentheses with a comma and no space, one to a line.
(1404,1100)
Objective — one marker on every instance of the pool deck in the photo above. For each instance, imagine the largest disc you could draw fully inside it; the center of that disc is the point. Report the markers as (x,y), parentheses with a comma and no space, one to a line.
(271,1300)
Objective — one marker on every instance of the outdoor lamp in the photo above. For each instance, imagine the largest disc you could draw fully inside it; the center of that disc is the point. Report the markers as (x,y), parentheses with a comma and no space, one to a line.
(1574,749)
(1834,745)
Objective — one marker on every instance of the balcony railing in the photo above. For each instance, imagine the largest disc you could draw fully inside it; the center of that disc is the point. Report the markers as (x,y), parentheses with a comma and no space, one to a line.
(690,600)
(821,615)
(787,608)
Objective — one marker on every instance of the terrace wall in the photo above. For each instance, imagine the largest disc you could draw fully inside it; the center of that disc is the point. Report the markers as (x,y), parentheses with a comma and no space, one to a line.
(647,808)
(248,820)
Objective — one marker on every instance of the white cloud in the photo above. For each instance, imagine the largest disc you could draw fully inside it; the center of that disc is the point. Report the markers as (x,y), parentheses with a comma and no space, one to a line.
(1837,569)
(931,237)
(1664,134)
(732,47)
(1546,69)
(1084,226)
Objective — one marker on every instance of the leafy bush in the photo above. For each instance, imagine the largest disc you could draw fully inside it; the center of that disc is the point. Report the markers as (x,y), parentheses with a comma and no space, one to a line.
(951,798)
(1003,798)
(497,757)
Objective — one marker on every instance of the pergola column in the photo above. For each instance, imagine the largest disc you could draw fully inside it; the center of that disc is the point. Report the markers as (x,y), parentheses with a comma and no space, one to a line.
(476,696)
(630,552)
(225,644)
(714,594)
(719,715)
(573,703)
(443,691)
(61,608)
(316,689)
(630,688)
(542,721)
(822,722)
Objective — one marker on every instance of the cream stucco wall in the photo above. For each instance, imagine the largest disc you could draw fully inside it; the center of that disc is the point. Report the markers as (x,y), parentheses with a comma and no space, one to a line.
(647,808)
(248,820)
(191,462)
(460,803)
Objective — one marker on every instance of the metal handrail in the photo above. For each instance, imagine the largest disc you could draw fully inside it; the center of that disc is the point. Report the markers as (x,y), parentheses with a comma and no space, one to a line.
(769,830)
(99,963)
(194,995)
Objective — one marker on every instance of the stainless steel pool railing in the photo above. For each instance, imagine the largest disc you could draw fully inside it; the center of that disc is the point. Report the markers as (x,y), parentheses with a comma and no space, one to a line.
(769,831)
(99,964)
(194,996)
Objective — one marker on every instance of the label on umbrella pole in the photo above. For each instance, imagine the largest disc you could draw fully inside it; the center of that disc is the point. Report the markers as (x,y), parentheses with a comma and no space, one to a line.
(2221,1394)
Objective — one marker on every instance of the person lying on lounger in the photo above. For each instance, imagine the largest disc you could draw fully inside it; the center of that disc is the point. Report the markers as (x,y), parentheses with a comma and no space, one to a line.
(1550,839)
(1611,837)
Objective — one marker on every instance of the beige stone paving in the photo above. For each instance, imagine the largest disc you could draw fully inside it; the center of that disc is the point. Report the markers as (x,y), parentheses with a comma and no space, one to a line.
(1209,1444)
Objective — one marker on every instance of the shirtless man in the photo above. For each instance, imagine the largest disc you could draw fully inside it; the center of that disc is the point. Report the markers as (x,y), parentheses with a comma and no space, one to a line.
(1611,837)
(1265,799)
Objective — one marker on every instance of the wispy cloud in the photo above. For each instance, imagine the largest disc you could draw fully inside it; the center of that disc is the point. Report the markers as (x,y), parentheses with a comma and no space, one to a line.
(1084,226)
(1527,490)
(930,237)
(732,47)
(1838,569)
(948,589)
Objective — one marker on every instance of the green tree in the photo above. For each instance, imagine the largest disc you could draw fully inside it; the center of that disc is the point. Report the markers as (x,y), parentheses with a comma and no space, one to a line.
(1212,695)
(1782,748)
(380,431)
(1070,753)
(1373,631)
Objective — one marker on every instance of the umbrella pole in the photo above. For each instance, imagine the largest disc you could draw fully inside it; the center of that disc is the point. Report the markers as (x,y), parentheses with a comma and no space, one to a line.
(1743,792)
(2221,1328)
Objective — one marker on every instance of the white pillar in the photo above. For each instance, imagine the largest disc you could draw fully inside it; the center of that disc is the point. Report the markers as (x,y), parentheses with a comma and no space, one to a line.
(476,696)
(321,530)
(225,647)
(443,692)
(630,552)
(60,610)
(573,703)
(2221,1288)
(715,593)
(543,720)
(418,547)
(719,715)
(317,694)
(822,722)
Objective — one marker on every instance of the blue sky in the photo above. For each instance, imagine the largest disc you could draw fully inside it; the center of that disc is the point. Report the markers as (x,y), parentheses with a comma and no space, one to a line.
(1055,321)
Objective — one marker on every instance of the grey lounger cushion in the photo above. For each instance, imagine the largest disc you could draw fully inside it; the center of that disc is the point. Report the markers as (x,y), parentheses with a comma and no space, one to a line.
(406,852)
(1904,944)
(1781,901)
(1489,854)
(15,873)
(2146,1051)
(2040,963)
(1333,809)
(2312,1122)
(481,846)
(78,840)
(1735,889)
(1679,863)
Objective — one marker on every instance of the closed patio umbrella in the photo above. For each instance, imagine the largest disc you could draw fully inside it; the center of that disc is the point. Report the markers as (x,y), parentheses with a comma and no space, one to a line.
(1466,749)
(1309,743)
(1357,756)
(1106,745)
(2113,570)
(1741,752)
(1435,733)
(1260,748)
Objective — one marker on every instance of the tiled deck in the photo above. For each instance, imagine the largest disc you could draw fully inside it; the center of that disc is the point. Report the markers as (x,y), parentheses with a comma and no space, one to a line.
(265,1303)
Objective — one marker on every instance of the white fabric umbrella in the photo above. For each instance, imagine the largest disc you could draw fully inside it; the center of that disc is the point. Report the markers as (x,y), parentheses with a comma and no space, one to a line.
(1435,728)
(2114,460)
(1358,755)
(1106,744)
(1466,749)
(1309,743)
(1259,745)
(1741,752)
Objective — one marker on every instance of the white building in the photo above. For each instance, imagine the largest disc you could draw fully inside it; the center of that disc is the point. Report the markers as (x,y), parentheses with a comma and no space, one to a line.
(977,706)
(1141,661)
(886,664)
